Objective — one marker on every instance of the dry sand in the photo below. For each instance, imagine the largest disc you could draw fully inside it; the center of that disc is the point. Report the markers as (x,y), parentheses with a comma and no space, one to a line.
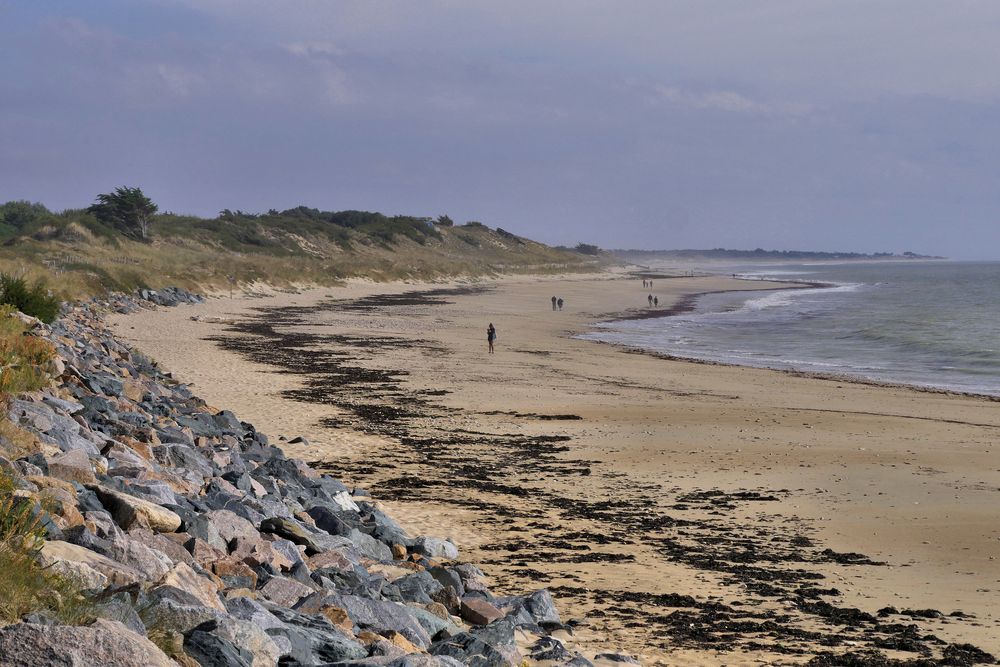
(638,503)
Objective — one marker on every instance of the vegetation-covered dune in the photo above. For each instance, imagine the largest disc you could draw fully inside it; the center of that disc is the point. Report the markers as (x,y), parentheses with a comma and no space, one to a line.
(91,250)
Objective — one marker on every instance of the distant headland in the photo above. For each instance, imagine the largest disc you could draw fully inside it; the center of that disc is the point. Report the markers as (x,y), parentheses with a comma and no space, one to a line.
(761,254)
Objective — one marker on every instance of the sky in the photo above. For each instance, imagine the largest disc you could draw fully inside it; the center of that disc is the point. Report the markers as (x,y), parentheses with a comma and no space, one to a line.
(783,124)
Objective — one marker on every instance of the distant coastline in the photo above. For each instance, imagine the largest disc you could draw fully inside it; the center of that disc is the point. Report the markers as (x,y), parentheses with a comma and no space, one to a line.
(761,254)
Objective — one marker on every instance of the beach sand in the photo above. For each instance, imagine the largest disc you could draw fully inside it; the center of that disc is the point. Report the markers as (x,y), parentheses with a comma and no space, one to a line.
(622,481)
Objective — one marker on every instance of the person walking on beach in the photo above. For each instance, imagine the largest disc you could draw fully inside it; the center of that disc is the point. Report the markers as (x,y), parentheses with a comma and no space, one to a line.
(560,302)
(650,299)
(656,301)
(643,283)
(491,335)
(553,303)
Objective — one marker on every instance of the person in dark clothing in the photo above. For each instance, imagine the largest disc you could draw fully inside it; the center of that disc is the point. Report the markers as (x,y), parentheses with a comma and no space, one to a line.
(656,301)
(491,335)
(553,303)
(650,299)
(560,302)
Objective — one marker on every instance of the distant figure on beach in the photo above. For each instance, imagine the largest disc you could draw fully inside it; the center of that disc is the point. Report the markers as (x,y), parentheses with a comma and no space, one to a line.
(650,299)
(656,301)
(560,303)
(491,335)
(650,284)
(553,303)
(643,283)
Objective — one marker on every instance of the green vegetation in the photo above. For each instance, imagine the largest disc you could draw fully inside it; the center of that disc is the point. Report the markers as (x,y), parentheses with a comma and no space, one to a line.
(126,209)
(26,587)
(31,299)
(84,252)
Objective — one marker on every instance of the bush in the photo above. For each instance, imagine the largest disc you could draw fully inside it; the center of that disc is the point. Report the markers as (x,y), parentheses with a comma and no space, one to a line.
(33,300)
(25,361)
(25,586)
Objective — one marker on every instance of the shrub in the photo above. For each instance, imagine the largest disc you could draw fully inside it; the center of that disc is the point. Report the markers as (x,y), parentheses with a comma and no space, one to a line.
(34,299)
(26,586)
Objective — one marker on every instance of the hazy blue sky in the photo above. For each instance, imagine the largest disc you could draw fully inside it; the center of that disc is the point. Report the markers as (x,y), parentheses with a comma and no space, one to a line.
(789,124)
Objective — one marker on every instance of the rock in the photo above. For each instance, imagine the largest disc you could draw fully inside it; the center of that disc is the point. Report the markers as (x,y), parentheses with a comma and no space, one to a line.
(338,617)
(538,605)
(54,552)
(402,642)
(435,626)
(150,563)
(290,529)
(479,612)
(284,591)
(172,610)
(103,643)
(159,541)
(72,466)
(210,650)
(376,615)
(85,576)
(369,546)
(231,527)
(398,551)
(181,576)
(248,636)
(235,573)
(620,658)
(332,558)
(434,547)
(313,639)
(129,511)
(204,553)
(491,646)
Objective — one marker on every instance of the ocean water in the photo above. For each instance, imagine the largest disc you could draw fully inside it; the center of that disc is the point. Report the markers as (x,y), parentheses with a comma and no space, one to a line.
(934,324)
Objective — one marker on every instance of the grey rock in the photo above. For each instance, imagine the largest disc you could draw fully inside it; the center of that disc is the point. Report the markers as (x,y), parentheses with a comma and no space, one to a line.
(434,547)
(210,650)
(491,646)
(164,613)
(314,639)
(617,657)
(103,643)
(379,616)
(418,587)
(284,591)
(371,547)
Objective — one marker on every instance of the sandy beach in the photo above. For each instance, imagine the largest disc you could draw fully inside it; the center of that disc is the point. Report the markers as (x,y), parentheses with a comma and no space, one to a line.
(687,513)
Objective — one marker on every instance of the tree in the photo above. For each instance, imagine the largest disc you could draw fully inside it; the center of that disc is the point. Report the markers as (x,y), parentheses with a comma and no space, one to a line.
(445,221)
(128,209)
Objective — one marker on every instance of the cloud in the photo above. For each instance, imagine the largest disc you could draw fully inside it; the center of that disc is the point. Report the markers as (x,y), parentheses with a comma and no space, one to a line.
(726,101)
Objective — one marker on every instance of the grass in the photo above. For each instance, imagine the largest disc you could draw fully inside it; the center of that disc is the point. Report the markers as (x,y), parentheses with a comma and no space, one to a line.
(302,246)
(26,587)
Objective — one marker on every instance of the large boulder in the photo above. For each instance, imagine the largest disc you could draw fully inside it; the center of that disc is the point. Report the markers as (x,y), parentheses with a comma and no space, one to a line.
(375,615)
(69,559)
(129,511)
(202,588)
(103,643)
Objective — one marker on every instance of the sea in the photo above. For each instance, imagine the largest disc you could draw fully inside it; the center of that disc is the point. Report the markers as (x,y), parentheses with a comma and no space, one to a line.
(924,323)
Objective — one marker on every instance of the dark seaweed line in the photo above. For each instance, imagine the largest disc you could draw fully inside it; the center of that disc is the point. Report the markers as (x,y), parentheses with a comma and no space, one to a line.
(759,561)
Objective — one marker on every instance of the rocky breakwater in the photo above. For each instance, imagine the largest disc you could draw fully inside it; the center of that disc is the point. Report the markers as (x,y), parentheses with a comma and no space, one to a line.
(195,541)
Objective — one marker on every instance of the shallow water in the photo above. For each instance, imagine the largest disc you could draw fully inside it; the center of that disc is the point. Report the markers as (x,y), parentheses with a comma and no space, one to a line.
(934,324)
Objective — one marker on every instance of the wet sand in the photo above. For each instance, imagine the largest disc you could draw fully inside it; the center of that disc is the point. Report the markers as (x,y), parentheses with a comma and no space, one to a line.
(688,513)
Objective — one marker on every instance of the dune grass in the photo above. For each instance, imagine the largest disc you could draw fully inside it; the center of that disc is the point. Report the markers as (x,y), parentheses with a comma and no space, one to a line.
(81,257)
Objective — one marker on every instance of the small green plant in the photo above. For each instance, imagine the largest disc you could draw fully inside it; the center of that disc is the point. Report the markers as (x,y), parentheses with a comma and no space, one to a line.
(25,361)
(31,299)
(26,586)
